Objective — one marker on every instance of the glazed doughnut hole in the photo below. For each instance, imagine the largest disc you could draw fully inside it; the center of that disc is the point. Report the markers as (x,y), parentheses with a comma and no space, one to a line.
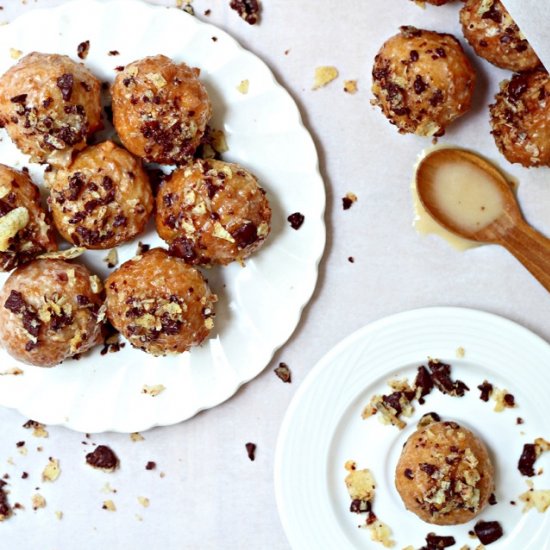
(25,229)
(212,212)
(159,303)
(160,109)
(444,474)
(102,199)
(50,311)
(520,119)
(422,81)
(494,35)
(49,105)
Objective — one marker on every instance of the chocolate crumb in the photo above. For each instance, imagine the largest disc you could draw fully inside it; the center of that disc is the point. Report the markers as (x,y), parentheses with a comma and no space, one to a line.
(65,84)
(424,382)
(441,376)
(488,531)
(83,49)
(21,98)
(142,248)
(359,506)
(5,508)
(20,444)
(351,259)
(283,372)
(492,499)
(527,460)
(435,542)
(24,475)
(486,390)
(408,473)
(520,420)
(249,10)
(119,68)
(296,220)
(371,518)
(510,400)
(348,200)
(150,465)
(251,450)
(114,52)
(103,458)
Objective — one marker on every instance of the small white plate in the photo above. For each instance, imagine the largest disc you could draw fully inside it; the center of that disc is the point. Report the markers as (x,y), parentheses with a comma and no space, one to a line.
(323,427)
(259,305)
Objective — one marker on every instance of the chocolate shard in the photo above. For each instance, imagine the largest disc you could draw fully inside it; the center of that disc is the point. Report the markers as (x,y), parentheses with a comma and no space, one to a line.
(103,458)
(488,531)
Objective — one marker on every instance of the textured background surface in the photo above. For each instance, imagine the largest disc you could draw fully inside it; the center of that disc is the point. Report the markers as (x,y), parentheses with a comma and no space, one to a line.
(212,496)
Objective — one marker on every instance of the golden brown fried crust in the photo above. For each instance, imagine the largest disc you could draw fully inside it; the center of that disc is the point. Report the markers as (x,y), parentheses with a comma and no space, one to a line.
(422,81)
(160,109)
(493,34)
(49,105)
(212,212)
(444,474)
(49,312)
(159,303)
(22,242)
(520,119)
(102,199)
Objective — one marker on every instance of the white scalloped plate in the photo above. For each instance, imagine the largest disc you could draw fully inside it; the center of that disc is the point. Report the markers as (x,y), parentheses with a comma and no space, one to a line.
(323,428)
(260,305)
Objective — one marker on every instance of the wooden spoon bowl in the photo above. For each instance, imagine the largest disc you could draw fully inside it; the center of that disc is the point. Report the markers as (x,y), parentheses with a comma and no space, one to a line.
(507,228)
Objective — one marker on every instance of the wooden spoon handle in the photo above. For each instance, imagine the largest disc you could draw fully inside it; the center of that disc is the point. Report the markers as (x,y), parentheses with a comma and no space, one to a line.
(532,249)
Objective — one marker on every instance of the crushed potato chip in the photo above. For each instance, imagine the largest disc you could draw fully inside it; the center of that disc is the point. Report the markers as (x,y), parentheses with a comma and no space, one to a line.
(380,532)
(324,76)
(535,498)
(360,484)
(69,254)
(153,391)
(144,501)
(11,224)
(350,86)
(109,505)
(38,501)
(243,86)
(51,471)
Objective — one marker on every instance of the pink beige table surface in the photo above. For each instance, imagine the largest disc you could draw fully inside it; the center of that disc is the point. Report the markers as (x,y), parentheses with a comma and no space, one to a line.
(205,493)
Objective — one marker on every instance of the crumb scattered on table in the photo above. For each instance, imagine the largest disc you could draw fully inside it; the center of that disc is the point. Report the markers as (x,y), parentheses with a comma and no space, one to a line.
(38,501)
(52,470)
(144,501)
(251,450)
(109,505)
(348,200)
(38,429)
(324,76)
(283,372)
(350,86)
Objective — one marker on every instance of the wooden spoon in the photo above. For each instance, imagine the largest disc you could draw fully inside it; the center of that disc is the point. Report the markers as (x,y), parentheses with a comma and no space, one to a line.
(507,228)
